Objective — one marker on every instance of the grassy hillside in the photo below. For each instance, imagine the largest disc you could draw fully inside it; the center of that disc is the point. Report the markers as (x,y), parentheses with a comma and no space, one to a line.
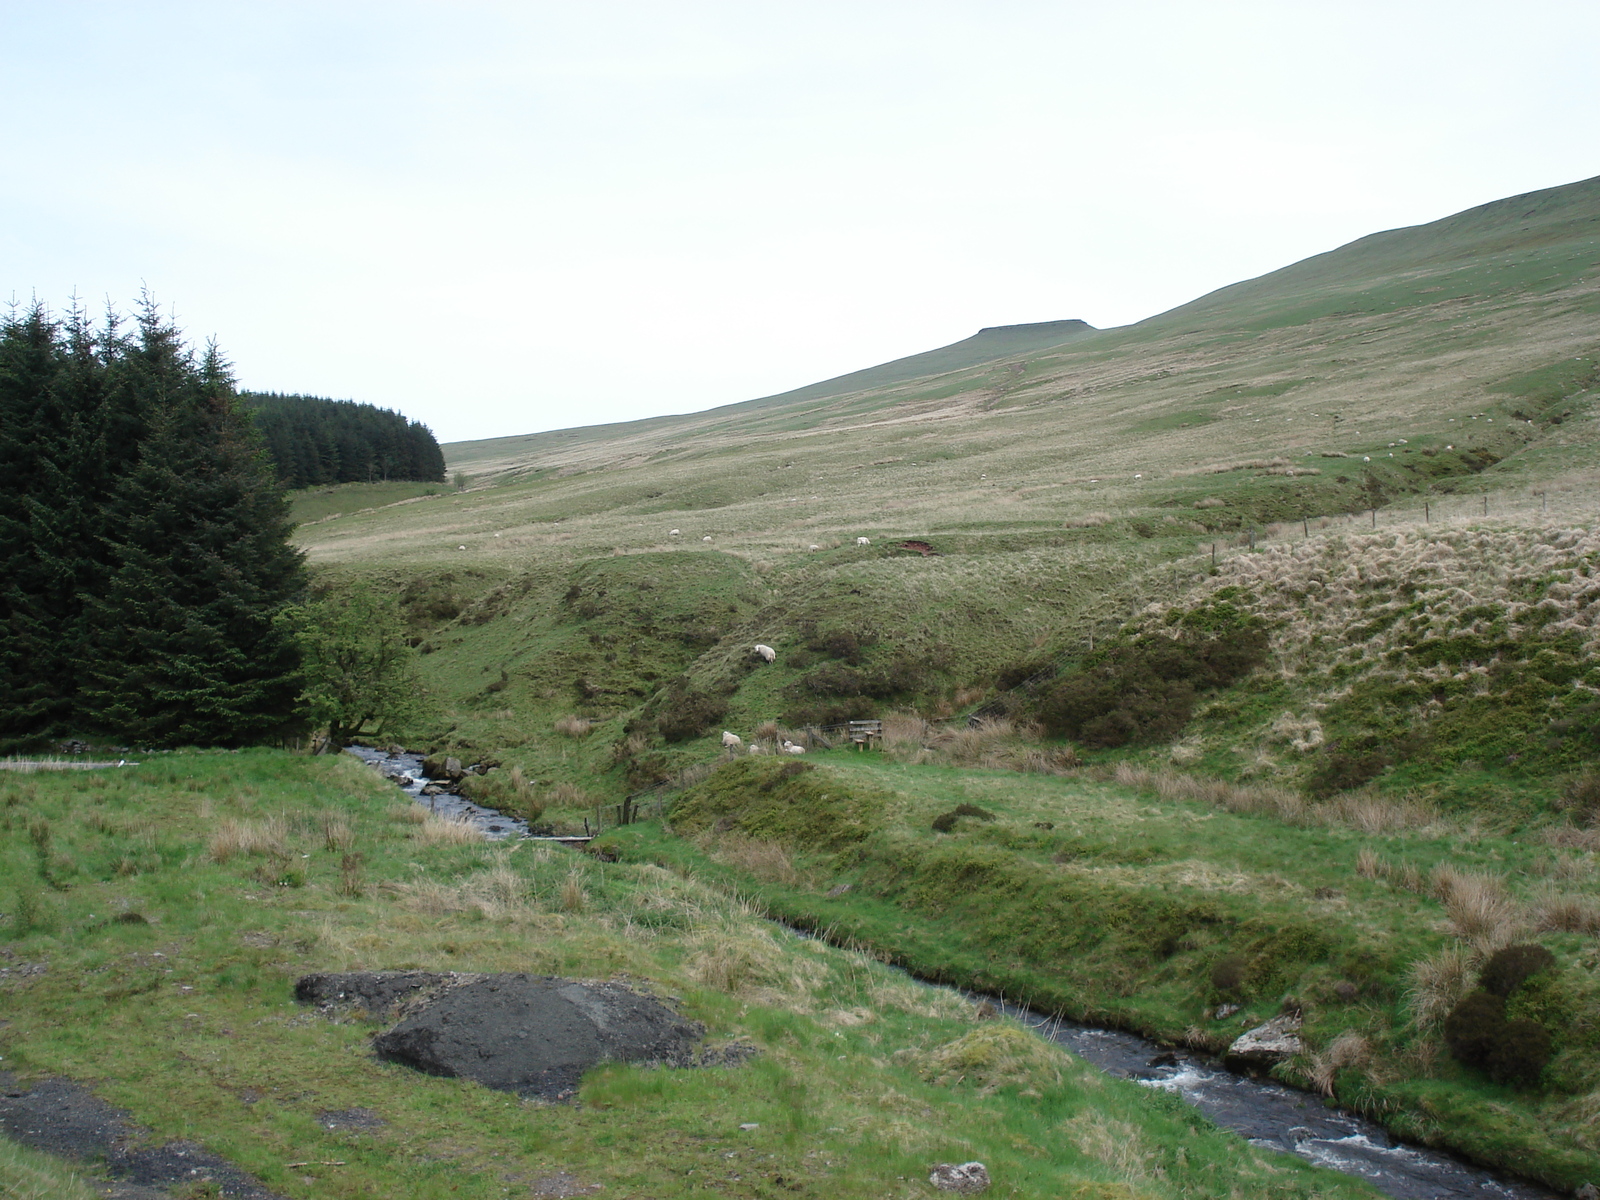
(157,917)
(1150,900)
(1322,542)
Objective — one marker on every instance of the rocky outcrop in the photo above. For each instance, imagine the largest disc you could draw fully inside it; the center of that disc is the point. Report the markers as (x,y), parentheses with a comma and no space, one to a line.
(1262,1048)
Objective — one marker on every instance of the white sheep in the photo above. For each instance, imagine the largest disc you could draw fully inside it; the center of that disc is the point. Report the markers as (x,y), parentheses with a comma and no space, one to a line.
(755,749)
(863,541)
(766,652)
(731,740)
(707,538)
(673,533)
(814,547)
(790,748)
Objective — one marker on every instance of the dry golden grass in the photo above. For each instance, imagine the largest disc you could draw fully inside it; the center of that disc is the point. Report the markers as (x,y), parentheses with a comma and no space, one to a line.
(1552,910)
(1437,984)
(766,861)
(408,813)
(573,898)
(1479,910)
(441,831)
(568,795)
(575,726)
(1087,521)
(337,835)
(728,954)
(1349,1049)
(1369,812)
(269,836)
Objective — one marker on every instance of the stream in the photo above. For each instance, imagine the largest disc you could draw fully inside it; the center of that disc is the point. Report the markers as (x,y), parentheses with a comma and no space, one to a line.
(1265,1113)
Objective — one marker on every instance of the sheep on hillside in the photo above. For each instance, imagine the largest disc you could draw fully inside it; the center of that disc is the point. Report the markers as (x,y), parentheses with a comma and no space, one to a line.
(731,740)
(673,532)
(863,541)
(766,652)
(790,748)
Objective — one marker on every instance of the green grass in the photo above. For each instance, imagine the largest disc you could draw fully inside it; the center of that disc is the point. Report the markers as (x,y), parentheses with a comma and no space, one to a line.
(1110,905)
(186,1019)
(329,503)
(1439,380)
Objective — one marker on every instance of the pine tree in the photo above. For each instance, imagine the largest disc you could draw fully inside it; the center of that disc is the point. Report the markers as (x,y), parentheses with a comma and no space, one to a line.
(182,645)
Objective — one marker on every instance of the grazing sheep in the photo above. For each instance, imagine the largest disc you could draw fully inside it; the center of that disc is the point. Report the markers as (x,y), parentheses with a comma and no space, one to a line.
(707,538)
(672,533)
(755,749)
(863,541)
(790,748)
(766,652)
(731,740)
(815,547)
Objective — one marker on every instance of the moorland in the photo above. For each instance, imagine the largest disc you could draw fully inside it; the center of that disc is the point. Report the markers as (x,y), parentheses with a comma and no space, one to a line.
(1239,661)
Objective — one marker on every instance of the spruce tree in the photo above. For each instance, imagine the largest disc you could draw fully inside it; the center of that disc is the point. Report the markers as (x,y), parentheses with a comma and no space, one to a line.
(181,642)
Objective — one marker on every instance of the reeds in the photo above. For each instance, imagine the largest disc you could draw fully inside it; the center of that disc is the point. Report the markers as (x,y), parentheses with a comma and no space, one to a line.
(448,831)
(267,837)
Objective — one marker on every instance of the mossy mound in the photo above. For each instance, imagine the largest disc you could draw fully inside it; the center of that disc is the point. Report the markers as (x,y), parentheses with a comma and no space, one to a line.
(802,806)
(996,1055)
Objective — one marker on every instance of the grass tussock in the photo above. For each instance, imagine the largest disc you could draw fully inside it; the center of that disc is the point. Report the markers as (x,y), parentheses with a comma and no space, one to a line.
(448,831)
(1091,520)
(1350,1049)
(268,837)
(1436,984)
(574,726)
(761,858)
(1479,910)
(1368,812)
(995,1055)
(993,743)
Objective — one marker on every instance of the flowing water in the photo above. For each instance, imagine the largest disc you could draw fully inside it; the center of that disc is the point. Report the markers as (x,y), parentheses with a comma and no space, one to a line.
(1265,1113)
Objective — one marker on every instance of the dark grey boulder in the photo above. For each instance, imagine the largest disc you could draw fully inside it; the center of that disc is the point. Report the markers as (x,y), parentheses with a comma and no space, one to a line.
(534,1035)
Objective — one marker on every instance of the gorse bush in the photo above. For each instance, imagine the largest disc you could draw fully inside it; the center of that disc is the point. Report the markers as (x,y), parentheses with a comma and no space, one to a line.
(1511,1049)
(1142,689)
(1509,968)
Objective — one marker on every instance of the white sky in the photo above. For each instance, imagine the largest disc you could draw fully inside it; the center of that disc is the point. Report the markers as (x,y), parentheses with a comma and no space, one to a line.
(507,217)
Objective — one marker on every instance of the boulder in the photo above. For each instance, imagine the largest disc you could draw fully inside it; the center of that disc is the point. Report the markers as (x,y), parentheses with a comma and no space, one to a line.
(439,766)
(966,1179)
(533,1035)
(1266,1045)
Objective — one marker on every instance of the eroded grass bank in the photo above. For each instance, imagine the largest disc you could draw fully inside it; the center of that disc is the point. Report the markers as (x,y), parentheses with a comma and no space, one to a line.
(1116,903)
(164,912)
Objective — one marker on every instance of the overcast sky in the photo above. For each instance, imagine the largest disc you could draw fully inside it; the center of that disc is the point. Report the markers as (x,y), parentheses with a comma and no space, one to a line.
(508,217)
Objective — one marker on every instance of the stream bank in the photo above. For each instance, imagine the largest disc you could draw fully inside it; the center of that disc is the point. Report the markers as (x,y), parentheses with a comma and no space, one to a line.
(1266,1113)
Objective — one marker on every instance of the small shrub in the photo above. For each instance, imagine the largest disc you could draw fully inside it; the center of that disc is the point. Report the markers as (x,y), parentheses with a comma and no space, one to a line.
(1143,690)
(1473,1028)
(688,714)
(1228,973)
(1581,798)
(1520,1053)
(1509,968)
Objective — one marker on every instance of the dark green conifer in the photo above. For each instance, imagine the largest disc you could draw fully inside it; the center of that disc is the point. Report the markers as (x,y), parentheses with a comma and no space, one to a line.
(182,645)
